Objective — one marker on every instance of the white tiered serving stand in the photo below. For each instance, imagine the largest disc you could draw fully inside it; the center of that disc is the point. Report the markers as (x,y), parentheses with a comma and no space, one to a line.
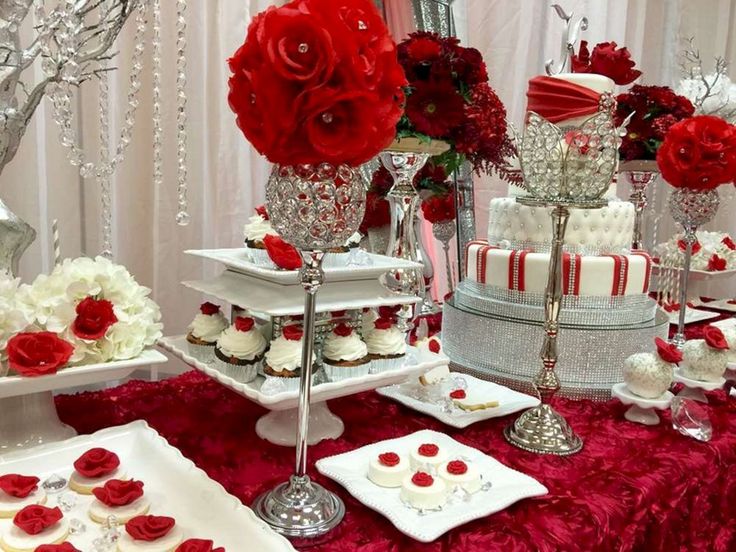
(275,293)
(28,415)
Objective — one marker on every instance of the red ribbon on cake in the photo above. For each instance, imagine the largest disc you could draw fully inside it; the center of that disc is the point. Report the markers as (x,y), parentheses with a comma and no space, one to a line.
(557,100)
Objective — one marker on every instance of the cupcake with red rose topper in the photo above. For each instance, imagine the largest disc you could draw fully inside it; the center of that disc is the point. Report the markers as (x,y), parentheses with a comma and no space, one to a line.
(239,350)
(650,375)
(205,330)
(345,354)
(256,230)
(35,526)
(93,469)
(705,359)
(386,344)
(122,499)
(151,534)
(18,491)
(283,360)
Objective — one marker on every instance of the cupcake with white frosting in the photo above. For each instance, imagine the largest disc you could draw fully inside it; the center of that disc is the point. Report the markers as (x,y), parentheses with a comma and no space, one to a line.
(204,331)
(344,354)
(239,350)
(340,256)
(705,359)
(256,229)
(284,357)
(386,345)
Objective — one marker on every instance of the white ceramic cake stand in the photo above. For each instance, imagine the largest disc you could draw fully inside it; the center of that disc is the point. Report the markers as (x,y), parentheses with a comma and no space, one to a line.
(642,411)
(279,425)
(28,415)
(694,389)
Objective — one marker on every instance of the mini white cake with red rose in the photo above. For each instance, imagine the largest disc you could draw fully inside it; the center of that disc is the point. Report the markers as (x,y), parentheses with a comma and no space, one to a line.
(150,534)
(18,491)
(427,456)
(458,473)
(388,469)
(423,491)
(122,499)
(93,469)
(649,375)
(705,359)
(34,526)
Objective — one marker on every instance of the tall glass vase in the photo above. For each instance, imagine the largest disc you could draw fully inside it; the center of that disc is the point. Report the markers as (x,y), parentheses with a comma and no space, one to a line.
(691,209)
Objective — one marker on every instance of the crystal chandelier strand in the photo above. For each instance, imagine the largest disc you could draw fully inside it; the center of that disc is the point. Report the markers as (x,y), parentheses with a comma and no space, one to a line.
(103,177)
(157,128)
(182,216)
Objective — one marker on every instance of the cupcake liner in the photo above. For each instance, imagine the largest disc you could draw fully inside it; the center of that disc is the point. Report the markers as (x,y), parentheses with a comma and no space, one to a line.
(339,373)
(385,364)
(243,373)
(336,260)
(259,257)
(278,384)
(203,353)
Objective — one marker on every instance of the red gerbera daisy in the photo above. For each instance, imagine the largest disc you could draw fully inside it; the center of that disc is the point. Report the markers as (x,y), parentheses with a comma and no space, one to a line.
(435,108)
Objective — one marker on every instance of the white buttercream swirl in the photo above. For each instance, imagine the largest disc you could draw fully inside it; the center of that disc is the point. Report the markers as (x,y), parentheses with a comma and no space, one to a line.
(243,345)
(285,354)
(350,347)
(208,327)
(390,341)
(257,228)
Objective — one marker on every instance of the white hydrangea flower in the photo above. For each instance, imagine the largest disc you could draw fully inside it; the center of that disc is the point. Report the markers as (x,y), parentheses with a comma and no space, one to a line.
(14,316)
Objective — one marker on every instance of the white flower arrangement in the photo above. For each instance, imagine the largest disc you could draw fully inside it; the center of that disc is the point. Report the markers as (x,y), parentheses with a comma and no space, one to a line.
(672,253)
(14,317)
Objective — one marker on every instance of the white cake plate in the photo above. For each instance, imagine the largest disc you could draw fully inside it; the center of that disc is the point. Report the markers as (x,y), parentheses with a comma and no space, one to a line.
(703,275)
(28,415)
(642,410)
(694,389)
(279,426)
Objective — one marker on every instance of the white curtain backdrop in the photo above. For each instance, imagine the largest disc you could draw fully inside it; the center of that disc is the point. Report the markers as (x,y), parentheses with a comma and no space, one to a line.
(226,177)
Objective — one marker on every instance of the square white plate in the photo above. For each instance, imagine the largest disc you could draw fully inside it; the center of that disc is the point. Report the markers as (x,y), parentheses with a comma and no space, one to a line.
(692,315)
(722,304)
(508,486)
(726,323)
(510,401)
(173,484)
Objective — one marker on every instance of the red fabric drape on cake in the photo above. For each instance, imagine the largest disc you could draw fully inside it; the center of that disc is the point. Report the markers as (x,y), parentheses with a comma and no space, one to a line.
(557,100)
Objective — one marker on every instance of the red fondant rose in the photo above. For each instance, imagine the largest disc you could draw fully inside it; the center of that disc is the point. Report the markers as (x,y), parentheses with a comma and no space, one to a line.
(209,309)
(284,255)
(97,462)
(63,547)
(457,467)
(389,459)
(37,353)
(18,486)
(667,351)
(119,493)
(682,246)
(383,323)
(34,519)
(428,449)
(458,394)
(422,479)
(714,338)
(698,153)
(434,346)
(244,323)
(261,210)
(606,59)
(149,528)
(198,545)
(343,330)
(94,317)
(716,263)
(729,243)
(292,332)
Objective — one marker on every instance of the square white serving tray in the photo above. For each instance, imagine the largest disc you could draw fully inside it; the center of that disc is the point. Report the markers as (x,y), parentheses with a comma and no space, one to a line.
(237,260)
(726,323)
(510,401)
(174,485)
(721,304)
(508,486)
(692,315)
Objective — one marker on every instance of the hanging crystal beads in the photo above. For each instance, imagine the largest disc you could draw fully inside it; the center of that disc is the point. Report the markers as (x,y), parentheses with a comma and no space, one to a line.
(158,173)
(104,179)
(182,216)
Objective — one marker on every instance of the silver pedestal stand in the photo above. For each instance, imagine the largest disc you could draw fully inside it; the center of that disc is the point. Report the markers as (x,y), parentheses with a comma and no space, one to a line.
(315,209)
(641,175)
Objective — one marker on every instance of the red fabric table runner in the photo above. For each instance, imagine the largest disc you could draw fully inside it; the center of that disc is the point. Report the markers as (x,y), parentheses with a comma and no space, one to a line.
(631,488)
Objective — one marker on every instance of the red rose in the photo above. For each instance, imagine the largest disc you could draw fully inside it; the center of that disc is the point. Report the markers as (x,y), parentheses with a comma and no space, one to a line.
(682,246)
(469,67)
(435,108)
(422,479)
(458,394)
(671,307)
(389,459)
(34,519)
(607,59)
(94,317)
(198,545)
(292,332)
(428,449)
(438,209)
(209,309)
(457,467)
(343,330)
(714,338)
(383,323)
(149,528)
(119,493)
(729,243)
(18,486)
(338,313)
(434,346)
(667,351)
(284,255)
(63,547)
(698,153)
(97,462)
(387,311)
(261,210)
(244,323)
(580,62)
(716,263)
(33,354)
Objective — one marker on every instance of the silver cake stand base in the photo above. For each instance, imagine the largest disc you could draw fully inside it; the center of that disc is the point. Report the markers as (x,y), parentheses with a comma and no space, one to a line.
(544,431)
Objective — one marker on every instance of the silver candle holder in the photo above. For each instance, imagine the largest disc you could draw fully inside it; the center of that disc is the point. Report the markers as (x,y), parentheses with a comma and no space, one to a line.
(641,175)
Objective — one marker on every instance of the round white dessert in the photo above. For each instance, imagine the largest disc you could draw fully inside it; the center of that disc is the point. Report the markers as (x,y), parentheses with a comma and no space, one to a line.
(17,540)
(701,362)
(470,480)
(647,375)
(11,505)
(99,511)
(167,543)
(417,461)
(84,485)
(424,498)
(388,476)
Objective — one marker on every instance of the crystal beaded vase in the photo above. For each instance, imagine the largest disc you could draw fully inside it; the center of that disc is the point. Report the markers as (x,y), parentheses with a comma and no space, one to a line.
(690,208)
(315,208)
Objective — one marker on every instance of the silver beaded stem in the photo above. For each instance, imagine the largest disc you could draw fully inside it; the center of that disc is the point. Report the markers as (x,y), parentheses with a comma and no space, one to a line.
(182,216)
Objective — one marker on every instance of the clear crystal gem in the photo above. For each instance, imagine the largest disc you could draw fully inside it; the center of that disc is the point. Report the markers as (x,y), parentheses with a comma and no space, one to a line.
(327,117)
(77,526)
(182,218)
(691,419)
(303,48)
(361,25)
(67,501)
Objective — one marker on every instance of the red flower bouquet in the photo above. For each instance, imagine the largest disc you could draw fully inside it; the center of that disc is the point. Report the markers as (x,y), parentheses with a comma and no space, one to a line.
(655,109)
(606,59)
(449,99)
(317,81)
(698,153)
